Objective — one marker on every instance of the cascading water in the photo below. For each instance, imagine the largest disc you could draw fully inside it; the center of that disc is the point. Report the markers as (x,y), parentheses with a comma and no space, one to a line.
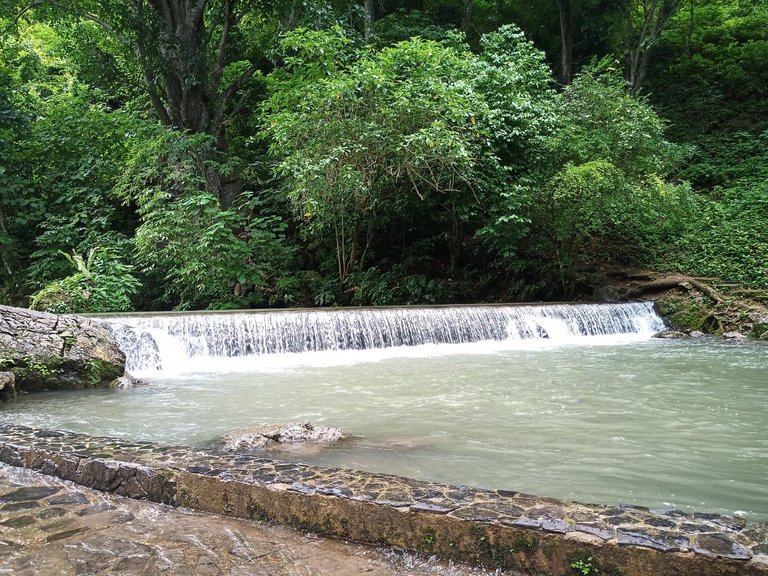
(155,342)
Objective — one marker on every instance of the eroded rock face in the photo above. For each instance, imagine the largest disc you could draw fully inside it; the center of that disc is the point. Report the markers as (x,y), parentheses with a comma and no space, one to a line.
(270,436)
(48,352)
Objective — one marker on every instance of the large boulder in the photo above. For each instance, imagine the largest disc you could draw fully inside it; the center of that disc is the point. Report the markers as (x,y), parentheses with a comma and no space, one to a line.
(50,352)
(276,436)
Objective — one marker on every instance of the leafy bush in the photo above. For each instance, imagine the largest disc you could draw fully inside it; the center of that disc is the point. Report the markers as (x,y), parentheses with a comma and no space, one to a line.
(722,159)
(101,283)
(726,237)
(405,142)
(200,254)
(60,152)
(400,26)
(392,127)
(599,193)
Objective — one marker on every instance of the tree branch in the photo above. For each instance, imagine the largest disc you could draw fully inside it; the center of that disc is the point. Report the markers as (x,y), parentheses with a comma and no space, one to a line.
(164,10)
(221,51)
(76,12)
(15,21)
(154,97)
(229,92)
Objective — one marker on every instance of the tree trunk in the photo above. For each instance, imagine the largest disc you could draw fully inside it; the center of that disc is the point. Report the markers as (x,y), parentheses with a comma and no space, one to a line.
(656,14)
(691,26)
(466,18)
(191,58)
(369,16)
(181,46)
(3,248)
(566,40)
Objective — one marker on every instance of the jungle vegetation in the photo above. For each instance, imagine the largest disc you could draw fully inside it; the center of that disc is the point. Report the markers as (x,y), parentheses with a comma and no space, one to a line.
(192,154)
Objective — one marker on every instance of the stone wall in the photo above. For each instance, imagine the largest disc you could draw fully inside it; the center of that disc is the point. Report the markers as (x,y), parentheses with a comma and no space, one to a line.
(494,528)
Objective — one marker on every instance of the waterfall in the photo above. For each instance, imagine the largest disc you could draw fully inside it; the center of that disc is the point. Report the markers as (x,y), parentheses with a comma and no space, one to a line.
(151,342)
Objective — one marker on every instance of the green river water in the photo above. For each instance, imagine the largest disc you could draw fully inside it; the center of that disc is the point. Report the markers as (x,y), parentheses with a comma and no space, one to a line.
(651,422)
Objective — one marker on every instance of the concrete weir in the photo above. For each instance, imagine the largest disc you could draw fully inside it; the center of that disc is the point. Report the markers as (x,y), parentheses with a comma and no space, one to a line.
(499,528)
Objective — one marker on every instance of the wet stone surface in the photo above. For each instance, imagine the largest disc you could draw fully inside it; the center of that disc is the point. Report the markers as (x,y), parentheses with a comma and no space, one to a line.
(716,545)
(146,471)
(602,531)
(77,531)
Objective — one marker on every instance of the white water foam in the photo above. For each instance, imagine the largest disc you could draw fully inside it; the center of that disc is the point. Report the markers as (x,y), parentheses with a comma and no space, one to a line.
(270,341)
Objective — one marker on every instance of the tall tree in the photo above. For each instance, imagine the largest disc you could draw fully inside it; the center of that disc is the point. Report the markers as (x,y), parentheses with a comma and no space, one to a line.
(646,20)
(369,17)
(190,56)
(566,40)
(466,18)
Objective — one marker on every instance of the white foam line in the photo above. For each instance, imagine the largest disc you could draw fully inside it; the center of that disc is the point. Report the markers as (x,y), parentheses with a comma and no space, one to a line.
(328,358)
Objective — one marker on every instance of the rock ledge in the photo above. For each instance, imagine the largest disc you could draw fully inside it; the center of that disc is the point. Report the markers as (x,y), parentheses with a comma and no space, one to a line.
(49,352)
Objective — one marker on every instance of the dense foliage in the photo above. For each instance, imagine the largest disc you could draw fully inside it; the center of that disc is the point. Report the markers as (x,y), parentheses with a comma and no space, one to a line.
(315,153)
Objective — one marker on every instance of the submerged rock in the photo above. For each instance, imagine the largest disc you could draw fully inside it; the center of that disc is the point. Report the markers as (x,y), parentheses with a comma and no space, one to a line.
(270,436)
(734,336)
(671,334)
(128,381)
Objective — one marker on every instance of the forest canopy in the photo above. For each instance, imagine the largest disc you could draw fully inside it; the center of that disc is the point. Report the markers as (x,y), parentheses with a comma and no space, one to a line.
(160,154)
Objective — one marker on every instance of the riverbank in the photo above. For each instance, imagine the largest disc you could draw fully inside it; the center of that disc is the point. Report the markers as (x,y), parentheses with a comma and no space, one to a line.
(690,304)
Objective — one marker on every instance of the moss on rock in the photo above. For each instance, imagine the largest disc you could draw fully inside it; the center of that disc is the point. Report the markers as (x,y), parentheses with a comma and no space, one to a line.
(50,352)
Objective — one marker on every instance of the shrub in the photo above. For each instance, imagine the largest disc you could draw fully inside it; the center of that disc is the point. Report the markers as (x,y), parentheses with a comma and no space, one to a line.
(101,283)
